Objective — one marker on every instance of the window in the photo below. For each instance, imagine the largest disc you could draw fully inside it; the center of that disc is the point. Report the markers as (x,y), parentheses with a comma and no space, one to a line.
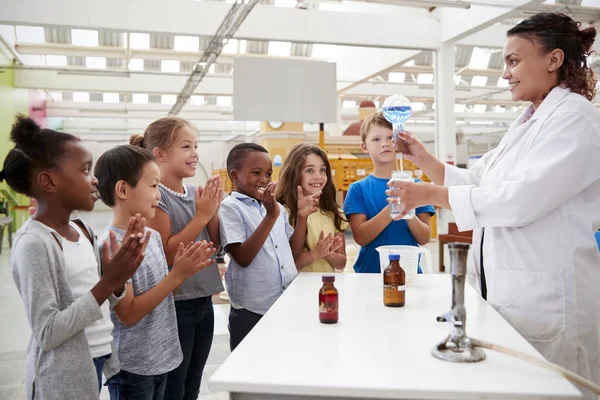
(81,97)
(479,80)
(186,43)
(30,34)
(224,101)
(459,108)
(231,47)
(56,61)
(110,97)
(285,3)
(36,60)
(95,62)
(168,99)
(136,64)
(279,49)
(331,6)
(55,96)
(139,41)
(197,100)
(425,78)
(479,108)
(170,66)
(83,37)
(417,106)
(479,58)
(138,98)
(502,82)
(397,77)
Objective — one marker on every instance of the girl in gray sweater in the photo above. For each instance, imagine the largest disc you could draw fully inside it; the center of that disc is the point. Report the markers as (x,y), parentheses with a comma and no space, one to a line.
(63,281)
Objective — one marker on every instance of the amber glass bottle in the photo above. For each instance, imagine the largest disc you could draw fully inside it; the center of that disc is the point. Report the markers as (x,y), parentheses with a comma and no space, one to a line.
(394,294)
(328,301)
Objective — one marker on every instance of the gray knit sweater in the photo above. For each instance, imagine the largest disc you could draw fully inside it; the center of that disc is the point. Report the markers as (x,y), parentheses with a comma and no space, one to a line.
(59,364)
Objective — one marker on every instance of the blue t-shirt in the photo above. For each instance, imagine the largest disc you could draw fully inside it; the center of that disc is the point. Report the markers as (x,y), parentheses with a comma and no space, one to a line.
(368,197)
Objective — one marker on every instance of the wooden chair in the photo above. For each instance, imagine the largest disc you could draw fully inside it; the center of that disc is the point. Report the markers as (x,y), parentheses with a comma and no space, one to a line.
(452,236)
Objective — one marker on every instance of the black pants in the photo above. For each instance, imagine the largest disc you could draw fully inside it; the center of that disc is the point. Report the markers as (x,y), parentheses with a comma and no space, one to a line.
(196,325)
(241,322)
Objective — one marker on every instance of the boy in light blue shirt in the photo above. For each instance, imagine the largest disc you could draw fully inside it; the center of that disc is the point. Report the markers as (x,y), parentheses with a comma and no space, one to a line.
(366,202)
(255,232)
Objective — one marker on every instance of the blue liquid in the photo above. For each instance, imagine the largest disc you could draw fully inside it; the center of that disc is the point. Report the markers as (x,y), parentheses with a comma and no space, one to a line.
(397,114)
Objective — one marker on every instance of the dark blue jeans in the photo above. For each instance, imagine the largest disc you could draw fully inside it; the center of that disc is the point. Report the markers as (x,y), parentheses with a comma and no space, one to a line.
(99,363)
(196,325)
(241,322)
(128,386)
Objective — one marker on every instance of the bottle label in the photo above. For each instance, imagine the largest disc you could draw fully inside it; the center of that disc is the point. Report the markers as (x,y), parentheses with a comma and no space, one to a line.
(393,287)
(327,307)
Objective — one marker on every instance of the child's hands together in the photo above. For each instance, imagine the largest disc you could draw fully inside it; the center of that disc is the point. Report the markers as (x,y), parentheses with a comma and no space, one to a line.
(307,204)
(326,245)
(268,200)
(120,262)
(208,199)
(193,258)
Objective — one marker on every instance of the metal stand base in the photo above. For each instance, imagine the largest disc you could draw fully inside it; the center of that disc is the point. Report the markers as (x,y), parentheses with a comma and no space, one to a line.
(461,352)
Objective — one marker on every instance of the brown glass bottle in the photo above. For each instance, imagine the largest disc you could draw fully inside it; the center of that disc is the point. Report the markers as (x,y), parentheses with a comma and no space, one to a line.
(394,278)
(328,301)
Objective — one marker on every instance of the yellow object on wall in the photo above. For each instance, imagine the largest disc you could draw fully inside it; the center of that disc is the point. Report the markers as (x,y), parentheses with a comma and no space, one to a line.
(279,147)
(227,184)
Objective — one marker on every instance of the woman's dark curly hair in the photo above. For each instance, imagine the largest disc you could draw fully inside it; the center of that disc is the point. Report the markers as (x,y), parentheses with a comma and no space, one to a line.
(550,31)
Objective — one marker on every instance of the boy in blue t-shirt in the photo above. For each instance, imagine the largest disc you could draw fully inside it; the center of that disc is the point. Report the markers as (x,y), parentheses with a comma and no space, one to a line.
(366,203)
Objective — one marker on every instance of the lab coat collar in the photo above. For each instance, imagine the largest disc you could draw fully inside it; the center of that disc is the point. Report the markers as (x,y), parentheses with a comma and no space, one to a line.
(548,105)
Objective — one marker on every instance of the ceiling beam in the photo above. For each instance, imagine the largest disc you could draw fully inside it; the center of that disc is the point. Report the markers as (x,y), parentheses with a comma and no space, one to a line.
(266,22)
(113,52)
(457,24)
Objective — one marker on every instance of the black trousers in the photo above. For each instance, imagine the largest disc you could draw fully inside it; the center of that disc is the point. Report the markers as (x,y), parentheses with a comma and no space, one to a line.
(241,322)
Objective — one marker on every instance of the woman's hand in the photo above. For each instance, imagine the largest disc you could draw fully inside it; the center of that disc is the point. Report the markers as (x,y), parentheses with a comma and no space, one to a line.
(411,147)
(410,195)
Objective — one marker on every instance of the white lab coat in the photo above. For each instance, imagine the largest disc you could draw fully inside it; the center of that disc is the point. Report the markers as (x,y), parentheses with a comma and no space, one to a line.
(538,197)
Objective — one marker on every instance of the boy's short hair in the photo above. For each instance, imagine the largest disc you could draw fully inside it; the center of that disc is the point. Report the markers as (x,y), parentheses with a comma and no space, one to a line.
(236,156)
(376,119)
(120,163)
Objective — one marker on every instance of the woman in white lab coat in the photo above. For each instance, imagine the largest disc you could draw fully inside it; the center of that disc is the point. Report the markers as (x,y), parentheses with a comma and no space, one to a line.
(534,201)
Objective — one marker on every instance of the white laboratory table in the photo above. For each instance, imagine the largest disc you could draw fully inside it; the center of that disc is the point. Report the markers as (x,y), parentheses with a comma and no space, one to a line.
(377,352)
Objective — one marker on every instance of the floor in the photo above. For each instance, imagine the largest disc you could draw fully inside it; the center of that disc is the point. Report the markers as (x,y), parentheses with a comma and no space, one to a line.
(14,334)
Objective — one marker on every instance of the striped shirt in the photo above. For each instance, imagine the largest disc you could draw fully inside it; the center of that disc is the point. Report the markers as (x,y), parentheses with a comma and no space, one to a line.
(150,347)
